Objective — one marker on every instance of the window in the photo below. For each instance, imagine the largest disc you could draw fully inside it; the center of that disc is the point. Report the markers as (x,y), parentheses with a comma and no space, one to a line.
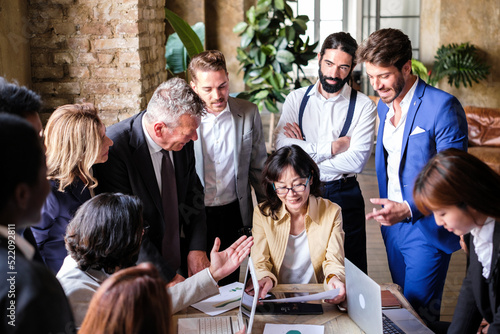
(325,17)
(403,15)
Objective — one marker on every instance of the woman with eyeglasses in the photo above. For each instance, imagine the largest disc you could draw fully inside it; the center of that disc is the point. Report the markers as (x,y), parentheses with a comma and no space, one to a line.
(463,193)
(298,236)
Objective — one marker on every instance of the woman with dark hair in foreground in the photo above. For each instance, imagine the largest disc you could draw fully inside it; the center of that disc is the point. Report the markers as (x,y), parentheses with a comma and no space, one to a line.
(463,193)
(105,236)
(298,235)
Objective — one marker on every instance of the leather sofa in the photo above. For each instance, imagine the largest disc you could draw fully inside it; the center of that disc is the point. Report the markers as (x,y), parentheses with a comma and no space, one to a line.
(484,134)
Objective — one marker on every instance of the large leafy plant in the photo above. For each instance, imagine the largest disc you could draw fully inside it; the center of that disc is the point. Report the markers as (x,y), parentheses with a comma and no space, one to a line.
(182,45)
(460,63)
(271,49)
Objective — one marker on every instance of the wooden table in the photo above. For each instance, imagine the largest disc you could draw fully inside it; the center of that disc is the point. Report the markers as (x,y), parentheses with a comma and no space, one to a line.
(332,318)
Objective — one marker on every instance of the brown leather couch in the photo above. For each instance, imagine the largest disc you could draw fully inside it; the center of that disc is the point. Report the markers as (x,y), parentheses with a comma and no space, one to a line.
(484,134)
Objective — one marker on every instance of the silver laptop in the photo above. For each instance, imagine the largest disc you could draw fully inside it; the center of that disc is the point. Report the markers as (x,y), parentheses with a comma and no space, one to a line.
(226,324)
(364,306)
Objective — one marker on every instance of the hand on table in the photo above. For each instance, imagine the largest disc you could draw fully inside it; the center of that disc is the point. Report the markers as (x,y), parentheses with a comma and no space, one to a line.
(391,213)
(265,284)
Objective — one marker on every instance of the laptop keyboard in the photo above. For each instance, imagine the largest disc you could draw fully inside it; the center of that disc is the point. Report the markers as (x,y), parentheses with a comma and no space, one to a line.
(218,325)
(389,326)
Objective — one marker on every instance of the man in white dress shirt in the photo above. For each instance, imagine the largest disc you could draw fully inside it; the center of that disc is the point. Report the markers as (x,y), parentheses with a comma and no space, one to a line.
(339,140)
(230,152)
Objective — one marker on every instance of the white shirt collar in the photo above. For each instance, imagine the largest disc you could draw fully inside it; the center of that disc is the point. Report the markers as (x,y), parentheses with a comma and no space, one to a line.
(345,92)
(19,242)
(485,232)
(483,244)
(153,147)
(209,116)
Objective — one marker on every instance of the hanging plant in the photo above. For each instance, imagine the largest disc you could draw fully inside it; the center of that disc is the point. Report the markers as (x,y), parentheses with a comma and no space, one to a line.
(271,48)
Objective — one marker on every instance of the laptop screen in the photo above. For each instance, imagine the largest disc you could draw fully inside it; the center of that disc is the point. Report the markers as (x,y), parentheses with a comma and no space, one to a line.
(364,301)
(249,299)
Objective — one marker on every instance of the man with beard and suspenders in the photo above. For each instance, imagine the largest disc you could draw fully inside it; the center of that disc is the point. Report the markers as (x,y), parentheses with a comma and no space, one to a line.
(334,124)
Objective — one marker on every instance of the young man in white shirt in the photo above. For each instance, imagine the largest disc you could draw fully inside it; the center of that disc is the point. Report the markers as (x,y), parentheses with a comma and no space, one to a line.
(230,152)
(337,139)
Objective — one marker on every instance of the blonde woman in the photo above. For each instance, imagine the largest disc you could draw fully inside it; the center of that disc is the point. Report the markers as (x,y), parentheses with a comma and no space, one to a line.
(75,139)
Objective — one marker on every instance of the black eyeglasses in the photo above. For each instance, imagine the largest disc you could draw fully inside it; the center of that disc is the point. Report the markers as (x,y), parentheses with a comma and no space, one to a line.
(296,189)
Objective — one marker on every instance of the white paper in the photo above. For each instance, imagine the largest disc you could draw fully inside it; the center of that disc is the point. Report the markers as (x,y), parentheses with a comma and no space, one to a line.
(295,329)
(328,294)
(228,298)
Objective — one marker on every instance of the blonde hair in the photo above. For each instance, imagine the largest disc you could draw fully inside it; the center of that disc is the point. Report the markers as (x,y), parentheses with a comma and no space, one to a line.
(73,141)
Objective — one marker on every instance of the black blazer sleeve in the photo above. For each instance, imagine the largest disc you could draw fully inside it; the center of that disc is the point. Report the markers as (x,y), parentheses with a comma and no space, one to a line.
(40,303)
(466,318)
(479,297)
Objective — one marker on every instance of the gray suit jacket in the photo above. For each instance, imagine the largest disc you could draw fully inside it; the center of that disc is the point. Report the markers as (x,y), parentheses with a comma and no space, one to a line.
(80,286)
(249,155)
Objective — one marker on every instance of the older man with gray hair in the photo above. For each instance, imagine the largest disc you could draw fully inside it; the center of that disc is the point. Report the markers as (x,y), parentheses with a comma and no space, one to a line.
(153,159)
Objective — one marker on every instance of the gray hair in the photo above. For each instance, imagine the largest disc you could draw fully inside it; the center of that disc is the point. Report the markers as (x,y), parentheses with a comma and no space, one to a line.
(171,100)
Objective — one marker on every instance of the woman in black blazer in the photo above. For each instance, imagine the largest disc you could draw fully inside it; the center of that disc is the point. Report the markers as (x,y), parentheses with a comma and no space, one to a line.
(75,139)
(463,193)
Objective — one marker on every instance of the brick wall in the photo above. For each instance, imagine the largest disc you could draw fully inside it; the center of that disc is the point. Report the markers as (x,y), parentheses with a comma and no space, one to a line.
(110,53)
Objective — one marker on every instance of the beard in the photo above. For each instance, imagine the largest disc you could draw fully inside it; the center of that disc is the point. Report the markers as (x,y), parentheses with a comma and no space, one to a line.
(335,87)
(398,88)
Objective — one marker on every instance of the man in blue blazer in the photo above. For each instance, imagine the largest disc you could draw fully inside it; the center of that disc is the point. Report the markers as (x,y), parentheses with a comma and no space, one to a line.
(416,122)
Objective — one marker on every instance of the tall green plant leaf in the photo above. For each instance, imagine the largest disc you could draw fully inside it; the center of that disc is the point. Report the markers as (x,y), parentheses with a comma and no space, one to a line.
(188,37)
(176,55)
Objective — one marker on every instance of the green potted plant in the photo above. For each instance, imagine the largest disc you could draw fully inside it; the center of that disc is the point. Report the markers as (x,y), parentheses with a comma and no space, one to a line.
(271,48)
(460,63)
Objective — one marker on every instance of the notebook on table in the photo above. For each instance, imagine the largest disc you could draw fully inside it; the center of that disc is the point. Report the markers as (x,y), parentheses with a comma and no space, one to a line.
(226,324)
(364,306)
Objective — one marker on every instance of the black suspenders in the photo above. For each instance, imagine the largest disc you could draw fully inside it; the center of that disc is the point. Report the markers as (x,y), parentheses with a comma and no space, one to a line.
(350,111)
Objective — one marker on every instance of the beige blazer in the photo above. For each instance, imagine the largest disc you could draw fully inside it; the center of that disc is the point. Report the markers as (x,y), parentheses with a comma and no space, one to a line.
(324,234)
(249,155)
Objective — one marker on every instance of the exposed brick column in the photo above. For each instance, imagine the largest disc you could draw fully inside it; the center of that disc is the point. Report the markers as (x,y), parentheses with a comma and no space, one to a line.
(110,53)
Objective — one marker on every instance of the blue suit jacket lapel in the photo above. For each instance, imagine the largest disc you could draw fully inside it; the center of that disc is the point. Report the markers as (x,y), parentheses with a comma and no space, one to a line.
(412,112)
(380,156)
